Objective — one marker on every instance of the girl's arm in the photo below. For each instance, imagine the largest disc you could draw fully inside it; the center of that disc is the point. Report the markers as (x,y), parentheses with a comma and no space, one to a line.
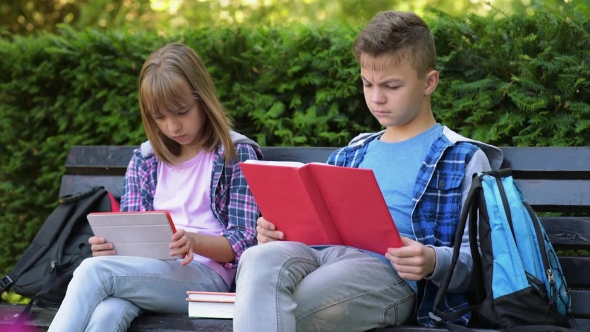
(243,211)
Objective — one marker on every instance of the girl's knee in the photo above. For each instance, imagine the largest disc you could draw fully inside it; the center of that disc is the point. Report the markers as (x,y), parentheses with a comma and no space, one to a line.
(92,266)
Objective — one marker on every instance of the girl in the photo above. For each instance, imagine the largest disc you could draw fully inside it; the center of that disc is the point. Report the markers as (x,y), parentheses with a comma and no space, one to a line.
(189,167)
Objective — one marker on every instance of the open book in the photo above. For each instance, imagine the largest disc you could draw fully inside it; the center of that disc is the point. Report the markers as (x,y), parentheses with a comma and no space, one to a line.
(320,204)
(210,305)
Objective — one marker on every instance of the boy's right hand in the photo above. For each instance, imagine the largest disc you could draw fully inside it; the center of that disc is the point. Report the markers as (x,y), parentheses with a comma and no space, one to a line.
(267,231)
(100,246)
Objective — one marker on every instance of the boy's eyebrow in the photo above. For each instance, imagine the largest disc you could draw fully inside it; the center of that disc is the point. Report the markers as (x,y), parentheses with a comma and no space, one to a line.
(390,80)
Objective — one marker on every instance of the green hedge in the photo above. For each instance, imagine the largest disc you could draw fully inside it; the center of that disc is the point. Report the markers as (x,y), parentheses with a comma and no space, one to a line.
(520,80)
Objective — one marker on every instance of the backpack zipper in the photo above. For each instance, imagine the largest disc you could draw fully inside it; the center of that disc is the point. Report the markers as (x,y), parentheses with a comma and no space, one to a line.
(543,250)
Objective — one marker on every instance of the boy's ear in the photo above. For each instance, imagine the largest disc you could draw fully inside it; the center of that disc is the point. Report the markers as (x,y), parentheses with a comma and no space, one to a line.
(431,82)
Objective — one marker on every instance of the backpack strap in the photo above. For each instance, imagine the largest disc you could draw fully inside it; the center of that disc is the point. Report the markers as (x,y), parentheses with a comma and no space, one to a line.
(470,209)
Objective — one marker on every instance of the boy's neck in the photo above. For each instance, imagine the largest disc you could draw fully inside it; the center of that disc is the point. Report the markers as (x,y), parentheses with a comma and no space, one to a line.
(424,121)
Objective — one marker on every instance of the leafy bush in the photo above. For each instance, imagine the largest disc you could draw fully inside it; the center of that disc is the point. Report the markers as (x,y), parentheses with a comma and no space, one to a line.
(518,80)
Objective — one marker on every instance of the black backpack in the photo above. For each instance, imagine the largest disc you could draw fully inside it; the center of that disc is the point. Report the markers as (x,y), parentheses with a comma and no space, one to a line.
(46,267)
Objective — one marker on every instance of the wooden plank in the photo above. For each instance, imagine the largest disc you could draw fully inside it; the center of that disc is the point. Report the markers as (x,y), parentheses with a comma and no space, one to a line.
(580,303)
(573,160)
(72,184)
(576,271)
(41,319)
(99,159)
(568,232)
(528,162)
(556,195)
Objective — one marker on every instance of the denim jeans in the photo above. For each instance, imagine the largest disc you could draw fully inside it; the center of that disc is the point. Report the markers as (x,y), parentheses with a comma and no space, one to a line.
(288,286)
(107,293)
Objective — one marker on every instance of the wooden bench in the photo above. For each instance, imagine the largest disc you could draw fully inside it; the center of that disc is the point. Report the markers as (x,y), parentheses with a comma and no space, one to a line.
(554,179)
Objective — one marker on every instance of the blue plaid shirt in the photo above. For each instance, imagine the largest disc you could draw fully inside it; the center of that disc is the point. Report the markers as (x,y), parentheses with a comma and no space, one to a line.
(437,201)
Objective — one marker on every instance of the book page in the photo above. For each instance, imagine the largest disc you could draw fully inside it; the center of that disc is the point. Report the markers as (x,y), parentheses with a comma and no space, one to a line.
(283,200)
(358,208)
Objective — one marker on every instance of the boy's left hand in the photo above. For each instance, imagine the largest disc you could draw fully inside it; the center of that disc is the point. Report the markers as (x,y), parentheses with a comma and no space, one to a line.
(183,243)
(413,261)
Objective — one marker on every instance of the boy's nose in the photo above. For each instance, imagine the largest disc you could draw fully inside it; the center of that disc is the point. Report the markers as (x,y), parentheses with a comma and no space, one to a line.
(378,97)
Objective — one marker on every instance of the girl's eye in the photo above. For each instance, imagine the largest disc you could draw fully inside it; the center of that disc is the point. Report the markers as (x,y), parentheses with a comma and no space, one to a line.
(158,117)
(182,113)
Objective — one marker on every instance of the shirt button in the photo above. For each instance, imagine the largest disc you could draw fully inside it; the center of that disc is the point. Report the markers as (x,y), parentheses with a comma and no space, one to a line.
(441,184)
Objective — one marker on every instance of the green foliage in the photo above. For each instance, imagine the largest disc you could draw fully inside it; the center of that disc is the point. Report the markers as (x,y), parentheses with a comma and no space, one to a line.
(511,81)
(518,80)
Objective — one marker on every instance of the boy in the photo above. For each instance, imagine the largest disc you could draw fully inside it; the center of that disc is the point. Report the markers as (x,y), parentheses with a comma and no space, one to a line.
(424,171)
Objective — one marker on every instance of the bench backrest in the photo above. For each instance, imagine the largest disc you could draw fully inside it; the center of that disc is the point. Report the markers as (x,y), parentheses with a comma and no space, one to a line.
(553,179)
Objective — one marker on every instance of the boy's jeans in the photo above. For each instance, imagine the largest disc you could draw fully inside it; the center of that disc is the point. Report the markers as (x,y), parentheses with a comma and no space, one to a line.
(107,293)
(287,286)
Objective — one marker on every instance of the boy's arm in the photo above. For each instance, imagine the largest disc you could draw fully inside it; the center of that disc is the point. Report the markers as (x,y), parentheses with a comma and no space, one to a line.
(462,277)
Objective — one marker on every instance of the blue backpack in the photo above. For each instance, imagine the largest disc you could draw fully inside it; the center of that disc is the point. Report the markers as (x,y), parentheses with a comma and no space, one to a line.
(519,281)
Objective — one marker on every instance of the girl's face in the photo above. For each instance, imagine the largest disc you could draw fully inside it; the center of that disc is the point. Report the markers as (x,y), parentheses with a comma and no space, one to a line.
(183,124)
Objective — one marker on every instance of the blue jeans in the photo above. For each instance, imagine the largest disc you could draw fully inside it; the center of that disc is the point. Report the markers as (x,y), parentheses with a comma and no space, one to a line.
(288,286)
(107,293)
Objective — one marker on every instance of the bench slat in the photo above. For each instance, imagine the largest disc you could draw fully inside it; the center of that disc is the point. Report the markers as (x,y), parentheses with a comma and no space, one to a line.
(537,161)
(72,184)
(580,303)
(576,271)
(556,195)
(568,232)
(529,162)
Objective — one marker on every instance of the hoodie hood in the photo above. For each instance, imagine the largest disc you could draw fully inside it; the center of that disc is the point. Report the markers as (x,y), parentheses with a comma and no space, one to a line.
(147,150)
(494,154)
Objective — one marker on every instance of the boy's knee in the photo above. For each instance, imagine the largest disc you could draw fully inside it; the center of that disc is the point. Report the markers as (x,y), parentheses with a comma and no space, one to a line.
(269,255)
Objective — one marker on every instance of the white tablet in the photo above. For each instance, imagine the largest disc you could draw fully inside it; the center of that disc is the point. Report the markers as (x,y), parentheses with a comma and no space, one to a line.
(143,234)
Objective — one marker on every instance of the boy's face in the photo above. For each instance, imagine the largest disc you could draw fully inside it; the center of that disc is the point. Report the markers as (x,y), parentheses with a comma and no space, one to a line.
(394,93)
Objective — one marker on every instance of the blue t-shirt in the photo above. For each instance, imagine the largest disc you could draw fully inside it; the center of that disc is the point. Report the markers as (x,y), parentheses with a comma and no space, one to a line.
(396,167)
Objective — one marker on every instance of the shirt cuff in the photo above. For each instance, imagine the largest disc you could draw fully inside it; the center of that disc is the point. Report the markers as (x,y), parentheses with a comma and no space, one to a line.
(443,262)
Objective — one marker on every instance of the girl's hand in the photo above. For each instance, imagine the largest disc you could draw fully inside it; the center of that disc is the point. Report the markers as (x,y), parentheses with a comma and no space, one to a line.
(267,231)
(182,244)
(100,247)
(413,261)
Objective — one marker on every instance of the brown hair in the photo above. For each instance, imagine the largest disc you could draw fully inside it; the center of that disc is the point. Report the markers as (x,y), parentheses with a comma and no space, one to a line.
(161,77)
(398,34)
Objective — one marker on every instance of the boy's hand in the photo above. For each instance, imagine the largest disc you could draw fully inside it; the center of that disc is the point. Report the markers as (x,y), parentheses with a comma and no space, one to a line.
(182,244)
(413,261)
(267,231)
(100,247)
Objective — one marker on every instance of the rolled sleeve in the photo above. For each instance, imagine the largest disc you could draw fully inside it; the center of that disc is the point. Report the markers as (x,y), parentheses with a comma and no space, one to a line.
(462,276)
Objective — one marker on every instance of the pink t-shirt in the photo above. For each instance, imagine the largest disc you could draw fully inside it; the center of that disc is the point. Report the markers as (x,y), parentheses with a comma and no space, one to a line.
(184,190)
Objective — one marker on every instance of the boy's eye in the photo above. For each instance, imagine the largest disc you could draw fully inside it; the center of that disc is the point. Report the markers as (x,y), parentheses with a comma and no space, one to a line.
(392,87)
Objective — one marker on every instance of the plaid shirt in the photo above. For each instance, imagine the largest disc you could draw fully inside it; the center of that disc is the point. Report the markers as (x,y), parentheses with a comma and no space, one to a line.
(232,202)
(437,206)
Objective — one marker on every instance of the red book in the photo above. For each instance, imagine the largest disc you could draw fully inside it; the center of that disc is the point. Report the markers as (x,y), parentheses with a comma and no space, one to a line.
(320,204)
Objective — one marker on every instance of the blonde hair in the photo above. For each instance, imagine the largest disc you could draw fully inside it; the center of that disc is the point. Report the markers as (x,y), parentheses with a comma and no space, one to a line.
(161,77)
(398,34)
